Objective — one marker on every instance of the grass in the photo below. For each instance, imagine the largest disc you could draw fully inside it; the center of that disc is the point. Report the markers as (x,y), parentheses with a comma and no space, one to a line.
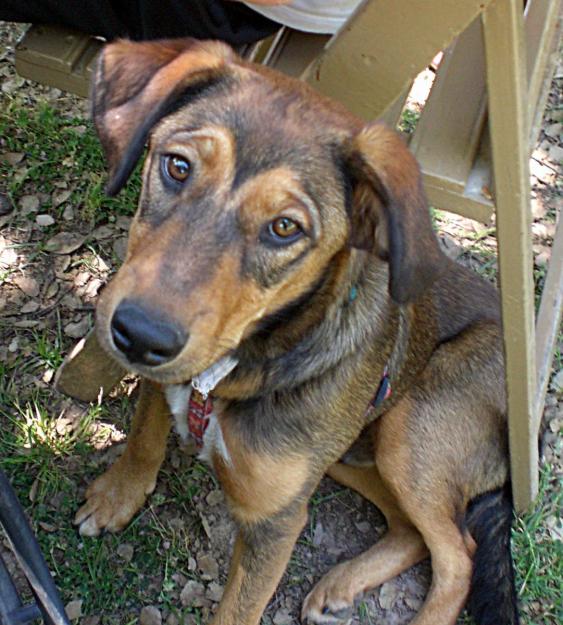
(538,556)
(56,148)
(51,449)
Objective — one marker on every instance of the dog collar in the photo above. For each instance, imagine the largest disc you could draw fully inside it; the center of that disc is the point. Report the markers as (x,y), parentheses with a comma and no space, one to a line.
(383,390)
(191,404)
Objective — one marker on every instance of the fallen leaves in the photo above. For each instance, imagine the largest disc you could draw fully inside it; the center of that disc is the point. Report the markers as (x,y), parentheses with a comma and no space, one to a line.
(65,242)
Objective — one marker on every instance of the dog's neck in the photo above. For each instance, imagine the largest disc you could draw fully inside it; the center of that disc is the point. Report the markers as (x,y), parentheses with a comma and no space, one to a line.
(340,321)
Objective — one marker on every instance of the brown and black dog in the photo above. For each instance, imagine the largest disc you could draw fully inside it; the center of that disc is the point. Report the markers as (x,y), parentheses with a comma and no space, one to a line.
(277,230)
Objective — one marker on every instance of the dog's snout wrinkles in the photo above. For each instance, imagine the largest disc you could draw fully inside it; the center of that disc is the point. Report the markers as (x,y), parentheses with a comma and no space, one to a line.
(145,336)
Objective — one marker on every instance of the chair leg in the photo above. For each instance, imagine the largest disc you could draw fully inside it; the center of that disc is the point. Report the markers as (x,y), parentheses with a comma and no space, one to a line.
(503,28)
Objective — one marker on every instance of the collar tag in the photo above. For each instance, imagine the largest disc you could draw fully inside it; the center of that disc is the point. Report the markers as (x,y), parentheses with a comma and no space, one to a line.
(383,391)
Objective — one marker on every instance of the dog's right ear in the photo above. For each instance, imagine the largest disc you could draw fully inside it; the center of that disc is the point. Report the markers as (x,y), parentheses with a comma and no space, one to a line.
(138,83)
(389,214)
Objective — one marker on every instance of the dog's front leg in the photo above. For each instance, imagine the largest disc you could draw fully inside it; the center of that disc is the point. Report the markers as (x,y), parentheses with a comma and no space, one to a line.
(267,493)
(115,496)
(260,557)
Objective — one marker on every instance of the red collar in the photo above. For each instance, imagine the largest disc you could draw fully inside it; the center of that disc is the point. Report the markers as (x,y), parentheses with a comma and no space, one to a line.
(200,408)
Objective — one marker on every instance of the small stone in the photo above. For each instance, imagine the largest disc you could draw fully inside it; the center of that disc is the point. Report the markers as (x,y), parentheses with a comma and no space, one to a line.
(79,130)
(208,567)
(123,222)
(318,534)
(172,619)
(27,323)
(79,329)
(364,527)
(214,498)
(64,242)
(542,254)
(81,278)
(60,197)
(103,232)
(388,595)
(13,346)
(61,263)
(68,213)
(413,603)
(93,287)
(29,204)
(125,551)
(214,592)
(5,205)
(538,208)
(539,170)
(72,302)
(44,221)
(556,153)
(29,307)
(8,257)
(73,609)
(28,285)
(48,527)
(52,290)
(557,382)
(13,158)
(150,616)
(282,617)
(120,248)
(554,130)
(450,247)
(193,595)
(91,620)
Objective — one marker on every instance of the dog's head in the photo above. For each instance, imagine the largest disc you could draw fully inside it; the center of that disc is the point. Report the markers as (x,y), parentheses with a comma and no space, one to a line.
(253,185)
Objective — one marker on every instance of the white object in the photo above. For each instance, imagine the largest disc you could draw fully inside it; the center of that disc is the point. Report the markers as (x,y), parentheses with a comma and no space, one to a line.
(312,16)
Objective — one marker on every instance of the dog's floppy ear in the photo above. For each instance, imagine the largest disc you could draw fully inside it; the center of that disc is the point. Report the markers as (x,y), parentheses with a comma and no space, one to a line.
(389,214)
(137,83)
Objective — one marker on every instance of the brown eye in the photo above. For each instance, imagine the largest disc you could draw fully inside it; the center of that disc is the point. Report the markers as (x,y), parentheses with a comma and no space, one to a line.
(285,228)
(177,167)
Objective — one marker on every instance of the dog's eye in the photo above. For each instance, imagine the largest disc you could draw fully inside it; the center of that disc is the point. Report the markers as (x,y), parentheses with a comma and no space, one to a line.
(176,167)
(284,230)
(284,227)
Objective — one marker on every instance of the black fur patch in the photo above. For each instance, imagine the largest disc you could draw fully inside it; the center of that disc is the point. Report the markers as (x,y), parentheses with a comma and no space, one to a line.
(492,598)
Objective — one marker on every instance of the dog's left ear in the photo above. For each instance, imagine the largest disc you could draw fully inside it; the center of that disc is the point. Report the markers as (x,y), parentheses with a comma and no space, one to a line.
(389,213)
(137,83)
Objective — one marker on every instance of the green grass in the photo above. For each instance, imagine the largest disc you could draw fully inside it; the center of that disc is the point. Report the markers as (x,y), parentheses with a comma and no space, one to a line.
(538,556)
(58,148)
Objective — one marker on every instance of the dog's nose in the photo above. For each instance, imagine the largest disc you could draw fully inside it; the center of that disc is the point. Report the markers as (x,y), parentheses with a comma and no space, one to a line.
(145,336)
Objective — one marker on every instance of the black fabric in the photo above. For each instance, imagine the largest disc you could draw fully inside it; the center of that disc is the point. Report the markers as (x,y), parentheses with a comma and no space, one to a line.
(232,22)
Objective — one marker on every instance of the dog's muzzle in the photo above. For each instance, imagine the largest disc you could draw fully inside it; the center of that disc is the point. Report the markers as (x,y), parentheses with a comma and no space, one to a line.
(146,336)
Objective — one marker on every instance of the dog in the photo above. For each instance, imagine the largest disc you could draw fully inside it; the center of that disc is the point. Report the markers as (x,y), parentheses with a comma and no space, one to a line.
(282,256)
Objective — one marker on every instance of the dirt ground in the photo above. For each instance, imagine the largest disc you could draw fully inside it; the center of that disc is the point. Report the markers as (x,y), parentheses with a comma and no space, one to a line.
(57,292)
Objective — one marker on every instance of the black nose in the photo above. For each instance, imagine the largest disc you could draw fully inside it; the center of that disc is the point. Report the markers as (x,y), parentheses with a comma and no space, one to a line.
(146,336)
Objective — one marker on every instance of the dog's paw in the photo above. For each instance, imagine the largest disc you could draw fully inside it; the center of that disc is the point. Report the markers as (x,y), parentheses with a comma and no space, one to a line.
(331,602)
(113,499)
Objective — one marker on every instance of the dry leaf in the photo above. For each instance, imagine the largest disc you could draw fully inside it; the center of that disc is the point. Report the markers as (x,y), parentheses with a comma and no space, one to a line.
(64,242)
